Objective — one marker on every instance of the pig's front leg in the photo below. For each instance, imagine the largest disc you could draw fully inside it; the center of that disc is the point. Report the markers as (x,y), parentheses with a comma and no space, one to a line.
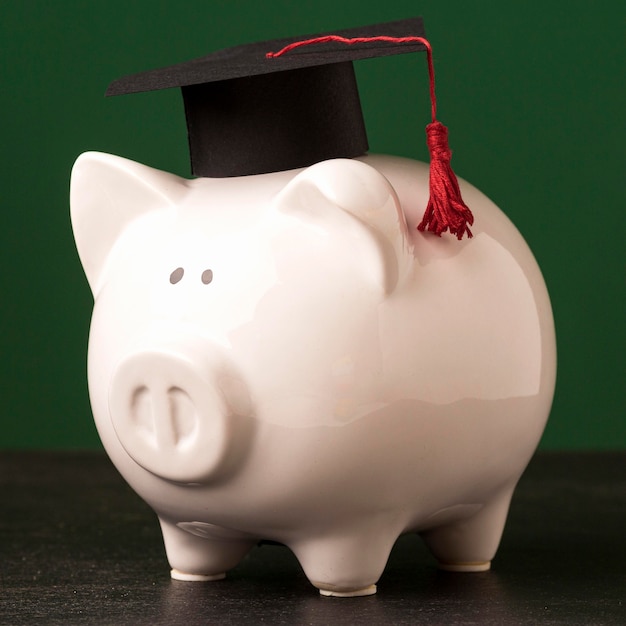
(346,564)
(196,552)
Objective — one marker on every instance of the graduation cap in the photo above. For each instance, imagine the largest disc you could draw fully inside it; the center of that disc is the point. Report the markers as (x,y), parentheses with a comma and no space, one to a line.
(288,103)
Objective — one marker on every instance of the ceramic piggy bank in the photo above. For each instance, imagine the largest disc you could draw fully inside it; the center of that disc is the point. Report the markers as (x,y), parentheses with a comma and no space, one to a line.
(285,357)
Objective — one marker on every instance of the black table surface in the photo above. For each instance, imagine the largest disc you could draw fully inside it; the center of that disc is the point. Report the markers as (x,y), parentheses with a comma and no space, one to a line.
(77,546)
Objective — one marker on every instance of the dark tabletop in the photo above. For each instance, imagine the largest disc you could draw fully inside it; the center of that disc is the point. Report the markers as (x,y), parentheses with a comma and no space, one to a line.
(77,546)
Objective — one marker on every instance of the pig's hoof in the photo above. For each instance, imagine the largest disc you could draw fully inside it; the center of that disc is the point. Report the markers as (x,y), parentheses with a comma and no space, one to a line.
(196,578)
(332,592)
(477,566)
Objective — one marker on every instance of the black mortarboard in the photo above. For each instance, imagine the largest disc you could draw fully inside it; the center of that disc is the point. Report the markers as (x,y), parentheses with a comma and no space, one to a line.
(249,114)
(288,103)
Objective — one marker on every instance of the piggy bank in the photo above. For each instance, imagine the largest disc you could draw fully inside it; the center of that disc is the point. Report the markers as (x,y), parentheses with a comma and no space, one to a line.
(284,357)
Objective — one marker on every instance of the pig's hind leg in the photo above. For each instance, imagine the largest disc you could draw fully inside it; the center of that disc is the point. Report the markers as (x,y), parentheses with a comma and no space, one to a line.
(469,544)
(196,554)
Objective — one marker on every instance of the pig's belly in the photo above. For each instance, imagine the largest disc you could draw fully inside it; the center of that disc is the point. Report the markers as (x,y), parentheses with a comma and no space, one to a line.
(410,463)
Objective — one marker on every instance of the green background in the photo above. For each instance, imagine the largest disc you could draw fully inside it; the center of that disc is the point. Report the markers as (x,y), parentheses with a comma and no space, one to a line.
(533,94)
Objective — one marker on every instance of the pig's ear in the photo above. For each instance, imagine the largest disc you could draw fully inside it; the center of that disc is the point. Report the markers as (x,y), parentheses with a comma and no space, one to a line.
(108,192)
(358,203)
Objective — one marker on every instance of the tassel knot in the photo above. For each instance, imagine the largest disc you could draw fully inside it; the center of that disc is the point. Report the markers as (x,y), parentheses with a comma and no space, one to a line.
(437,141)
(446,209)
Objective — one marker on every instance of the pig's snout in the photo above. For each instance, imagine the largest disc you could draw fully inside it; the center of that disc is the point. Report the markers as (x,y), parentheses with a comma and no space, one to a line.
(179,414)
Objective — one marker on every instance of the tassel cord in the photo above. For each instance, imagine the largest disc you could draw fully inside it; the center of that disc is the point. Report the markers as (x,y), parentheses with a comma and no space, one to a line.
(446,209)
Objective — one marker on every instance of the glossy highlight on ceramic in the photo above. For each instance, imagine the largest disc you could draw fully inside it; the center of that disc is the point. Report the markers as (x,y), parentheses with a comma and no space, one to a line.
(285,357)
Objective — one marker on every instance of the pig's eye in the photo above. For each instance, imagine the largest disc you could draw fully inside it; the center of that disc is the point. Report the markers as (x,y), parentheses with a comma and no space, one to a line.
(176,275)
(207,276)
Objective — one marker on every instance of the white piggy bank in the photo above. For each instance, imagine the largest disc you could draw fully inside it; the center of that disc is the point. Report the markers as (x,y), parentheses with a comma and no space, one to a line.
(285,357)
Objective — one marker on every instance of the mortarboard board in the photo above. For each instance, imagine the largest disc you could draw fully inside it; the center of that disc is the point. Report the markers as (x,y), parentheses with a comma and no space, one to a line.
(249,114)
(252,110)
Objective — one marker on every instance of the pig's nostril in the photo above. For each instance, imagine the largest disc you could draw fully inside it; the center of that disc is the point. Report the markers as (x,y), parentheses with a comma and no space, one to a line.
(184,416)
(142,412)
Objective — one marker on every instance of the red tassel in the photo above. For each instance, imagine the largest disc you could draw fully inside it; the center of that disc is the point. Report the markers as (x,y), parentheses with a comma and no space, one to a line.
(446,209)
